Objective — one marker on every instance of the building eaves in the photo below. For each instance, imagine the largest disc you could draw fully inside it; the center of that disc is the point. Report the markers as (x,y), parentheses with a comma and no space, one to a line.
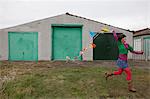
(97,22)
(141,30)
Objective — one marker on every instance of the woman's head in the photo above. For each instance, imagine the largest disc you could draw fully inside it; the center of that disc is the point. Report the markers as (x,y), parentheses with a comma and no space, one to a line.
(122,38)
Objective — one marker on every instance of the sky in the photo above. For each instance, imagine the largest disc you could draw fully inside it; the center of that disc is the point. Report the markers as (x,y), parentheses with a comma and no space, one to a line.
(127,14)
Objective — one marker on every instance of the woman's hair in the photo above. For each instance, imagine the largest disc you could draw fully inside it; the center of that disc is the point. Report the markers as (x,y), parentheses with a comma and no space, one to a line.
(120,36)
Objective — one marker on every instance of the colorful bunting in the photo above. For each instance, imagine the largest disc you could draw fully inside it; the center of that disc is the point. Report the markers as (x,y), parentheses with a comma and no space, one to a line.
(92,45)
(92,34)
(105,29)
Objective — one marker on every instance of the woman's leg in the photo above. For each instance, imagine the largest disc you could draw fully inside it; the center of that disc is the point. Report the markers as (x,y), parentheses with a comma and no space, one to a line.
(129,79)
(119,72)
(128,74)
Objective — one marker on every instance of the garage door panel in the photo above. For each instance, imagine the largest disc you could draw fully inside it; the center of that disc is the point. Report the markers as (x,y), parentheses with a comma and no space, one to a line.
(23,46)
(106,47)
(66,42)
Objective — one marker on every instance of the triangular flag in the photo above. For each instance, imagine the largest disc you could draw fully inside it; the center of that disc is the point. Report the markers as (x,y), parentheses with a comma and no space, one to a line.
(105,29)
(92,34)
(92,45)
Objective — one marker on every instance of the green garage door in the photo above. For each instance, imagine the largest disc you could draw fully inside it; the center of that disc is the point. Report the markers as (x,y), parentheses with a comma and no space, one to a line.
(23,46)
(106,47)
(66,41)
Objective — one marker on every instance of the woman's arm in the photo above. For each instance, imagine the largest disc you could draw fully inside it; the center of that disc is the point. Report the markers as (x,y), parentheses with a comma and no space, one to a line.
(134,52)
(137,52)
(115,35)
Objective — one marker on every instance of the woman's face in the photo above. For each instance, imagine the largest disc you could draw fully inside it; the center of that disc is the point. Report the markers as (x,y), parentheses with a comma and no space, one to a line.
(123,40)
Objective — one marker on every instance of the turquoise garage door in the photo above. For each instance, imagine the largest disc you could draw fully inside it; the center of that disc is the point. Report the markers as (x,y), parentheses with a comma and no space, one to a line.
(66,41)
(147,48)
(23,46)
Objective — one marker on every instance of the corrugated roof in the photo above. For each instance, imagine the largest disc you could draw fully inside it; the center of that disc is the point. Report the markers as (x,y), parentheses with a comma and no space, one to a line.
(96,21)
(141,30)
(145,31)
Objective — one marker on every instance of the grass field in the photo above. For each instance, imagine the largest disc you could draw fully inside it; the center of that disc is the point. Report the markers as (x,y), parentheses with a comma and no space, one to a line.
(60,80)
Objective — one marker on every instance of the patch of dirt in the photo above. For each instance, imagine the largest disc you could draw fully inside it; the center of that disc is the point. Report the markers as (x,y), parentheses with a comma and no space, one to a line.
(49,64)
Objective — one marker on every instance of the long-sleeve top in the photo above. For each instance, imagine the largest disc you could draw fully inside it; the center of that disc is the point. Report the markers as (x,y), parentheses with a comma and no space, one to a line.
(123,48)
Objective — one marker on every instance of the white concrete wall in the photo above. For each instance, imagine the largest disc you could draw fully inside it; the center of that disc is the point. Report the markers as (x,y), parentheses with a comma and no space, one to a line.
(43,27)
(3,45)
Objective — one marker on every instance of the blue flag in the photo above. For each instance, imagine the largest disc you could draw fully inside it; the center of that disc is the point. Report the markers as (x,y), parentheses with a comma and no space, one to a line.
(92,34)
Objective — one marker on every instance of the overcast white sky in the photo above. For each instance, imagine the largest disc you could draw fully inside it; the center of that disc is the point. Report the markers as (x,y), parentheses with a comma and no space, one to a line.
(127,14)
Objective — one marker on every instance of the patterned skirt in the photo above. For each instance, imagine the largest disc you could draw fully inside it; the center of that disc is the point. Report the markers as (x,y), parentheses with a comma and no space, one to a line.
(122,63)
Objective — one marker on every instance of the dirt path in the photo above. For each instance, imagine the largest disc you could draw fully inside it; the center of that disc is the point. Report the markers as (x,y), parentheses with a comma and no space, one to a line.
(48,64)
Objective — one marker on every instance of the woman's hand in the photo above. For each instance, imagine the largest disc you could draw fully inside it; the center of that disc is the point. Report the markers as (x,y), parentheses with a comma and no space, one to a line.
(142,52)
(137,52)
